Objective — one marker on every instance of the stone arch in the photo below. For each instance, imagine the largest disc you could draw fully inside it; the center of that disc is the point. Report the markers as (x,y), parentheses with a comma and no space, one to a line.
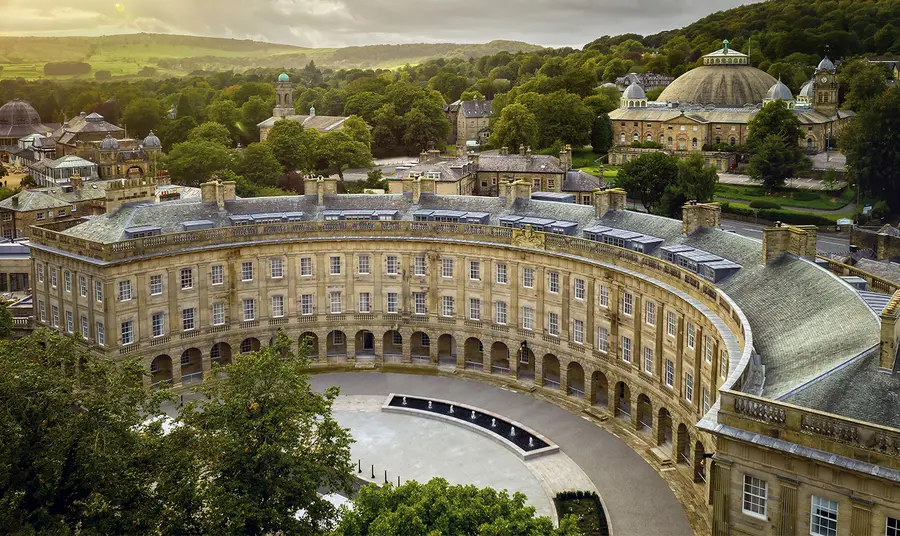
(500,359)
(718,140)
(220,353)
(662,139)
(649,137)
(526,364)
(392,345)
(420,344)
(663,427)
(635,137)
(161,370)
(550,368)
(311,341)
(575,379)
(446,350)
(474,353)
(364,343)
(250,344)
(810,143)
(644,413)
(699,462)
(693,143)
(732,141)
(336,344)
(622,400)
(622,138)
(191,366)
(600,388)
(683,445)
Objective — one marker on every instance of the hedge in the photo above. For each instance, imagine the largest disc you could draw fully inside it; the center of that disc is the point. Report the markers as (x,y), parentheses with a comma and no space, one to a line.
(782,215)
(763,203)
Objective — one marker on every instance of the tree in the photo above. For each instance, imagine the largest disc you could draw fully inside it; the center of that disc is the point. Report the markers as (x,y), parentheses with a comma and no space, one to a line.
(337,151)
(142,116)
(80,457)
(184,107)
(386,125)
(176,131)
(773,162)
(425,123)
(601,134)
(194,162)
(863,81)
(872,147)
(358,130)
(516,126)
(256,110)
(696,181)
(259,165)
(226,112)
(449,85)
(648,176)
(561,116)
(600,103)
(6,319)
(211,131)
(774,118)
(292,145)
(364,104)
(266,442)
(614,69)
(415,509)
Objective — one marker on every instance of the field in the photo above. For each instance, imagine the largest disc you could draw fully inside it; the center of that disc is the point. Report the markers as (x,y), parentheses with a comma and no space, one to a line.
(174,55)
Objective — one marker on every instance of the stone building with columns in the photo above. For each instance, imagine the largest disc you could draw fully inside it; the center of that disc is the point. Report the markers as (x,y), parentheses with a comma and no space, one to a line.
(747,369)
(714,103)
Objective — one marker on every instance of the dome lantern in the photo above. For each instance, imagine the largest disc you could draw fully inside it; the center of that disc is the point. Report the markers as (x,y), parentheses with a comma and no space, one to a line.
(633,97)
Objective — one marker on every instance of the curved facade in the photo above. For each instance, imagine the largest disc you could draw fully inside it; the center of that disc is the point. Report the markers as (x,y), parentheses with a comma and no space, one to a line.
(592,324)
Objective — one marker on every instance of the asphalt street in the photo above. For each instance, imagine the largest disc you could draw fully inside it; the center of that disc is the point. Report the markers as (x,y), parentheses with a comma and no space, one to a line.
(825,242)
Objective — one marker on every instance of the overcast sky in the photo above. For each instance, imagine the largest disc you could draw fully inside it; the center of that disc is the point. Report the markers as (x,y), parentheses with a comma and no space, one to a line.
(335,23)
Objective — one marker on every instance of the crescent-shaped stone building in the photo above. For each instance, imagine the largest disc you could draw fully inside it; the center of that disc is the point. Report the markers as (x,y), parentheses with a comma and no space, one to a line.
(748,367)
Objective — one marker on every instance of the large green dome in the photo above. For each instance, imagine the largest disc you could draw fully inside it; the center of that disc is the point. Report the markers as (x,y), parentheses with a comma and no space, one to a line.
(283,77)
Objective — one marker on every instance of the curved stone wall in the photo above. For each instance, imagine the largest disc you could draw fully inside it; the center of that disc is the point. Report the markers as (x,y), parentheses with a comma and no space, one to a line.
(589,325)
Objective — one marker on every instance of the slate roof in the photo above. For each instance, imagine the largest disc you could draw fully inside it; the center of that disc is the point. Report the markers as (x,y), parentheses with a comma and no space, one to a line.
(322,123)
(711,114)
(577,180)
(882,269)
(93,123)
(805,321)
(475,108)
(516,163)
(450,169)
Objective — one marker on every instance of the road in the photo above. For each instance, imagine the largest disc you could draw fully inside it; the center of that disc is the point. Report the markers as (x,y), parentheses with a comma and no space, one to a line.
(825,242)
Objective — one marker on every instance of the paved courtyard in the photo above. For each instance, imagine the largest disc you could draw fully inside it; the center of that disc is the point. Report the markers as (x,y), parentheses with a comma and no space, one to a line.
(637,499)
(416,448)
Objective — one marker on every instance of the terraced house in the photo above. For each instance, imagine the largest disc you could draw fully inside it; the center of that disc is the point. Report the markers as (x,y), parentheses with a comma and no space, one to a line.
(750,367)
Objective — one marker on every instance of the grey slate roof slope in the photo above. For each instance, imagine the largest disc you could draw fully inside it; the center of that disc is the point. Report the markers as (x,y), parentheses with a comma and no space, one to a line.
(450,169)
(805,321)
(475,108)
(857,390)
(516,163)
(882,269)
(29,201)
(577,180)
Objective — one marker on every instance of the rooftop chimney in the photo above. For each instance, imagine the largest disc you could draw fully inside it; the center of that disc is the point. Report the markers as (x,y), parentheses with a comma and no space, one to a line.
(606,200)
(75,181)
(565,157)
(695,215)
(218,192)
(522,149)
(799,240)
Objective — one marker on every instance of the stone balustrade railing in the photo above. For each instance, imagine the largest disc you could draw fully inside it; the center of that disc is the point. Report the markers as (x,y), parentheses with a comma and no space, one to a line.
(875,283)
(809,427)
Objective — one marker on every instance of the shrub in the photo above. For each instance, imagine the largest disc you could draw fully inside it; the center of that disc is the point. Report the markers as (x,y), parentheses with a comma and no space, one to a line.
(805,195)
(762,203)
(66,68)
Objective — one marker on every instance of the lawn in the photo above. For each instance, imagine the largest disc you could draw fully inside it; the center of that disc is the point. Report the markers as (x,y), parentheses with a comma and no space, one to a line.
(587,510)
(788,198)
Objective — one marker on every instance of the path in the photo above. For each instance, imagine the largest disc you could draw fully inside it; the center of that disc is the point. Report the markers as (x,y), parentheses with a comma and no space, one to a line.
(849,207)
(798,183)
(638,500)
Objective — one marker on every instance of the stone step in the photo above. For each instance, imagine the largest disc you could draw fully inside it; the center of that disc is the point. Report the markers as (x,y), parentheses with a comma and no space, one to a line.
(365,365)
(663,455)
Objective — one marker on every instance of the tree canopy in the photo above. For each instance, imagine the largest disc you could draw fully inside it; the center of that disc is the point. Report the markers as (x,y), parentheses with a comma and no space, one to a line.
(436,507)
(871,143)
(516,126)
(647,177)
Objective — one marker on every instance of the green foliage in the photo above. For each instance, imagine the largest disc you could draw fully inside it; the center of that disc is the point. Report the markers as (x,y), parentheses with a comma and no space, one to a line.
(774,118)
(337,151)
(863,82)
(211,131)
(601,134)
(415,509)
(177,131)
(103,75)
(880,209)
(601,103)
(253,112)
(142,116)
(292,145)
(194,162)
(227,113)
(647,177)
(3,171)
(783,215)
(761,203)
(62,68)
(872,147)
(357,129)
(259,166)
(695,181)
(6,321)
(516,126)
(774,162)
(560,116)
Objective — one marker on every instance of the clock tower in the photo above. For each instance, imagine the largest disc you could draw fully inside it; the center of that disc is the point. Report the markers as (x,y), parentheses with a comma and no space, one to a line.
(825,88)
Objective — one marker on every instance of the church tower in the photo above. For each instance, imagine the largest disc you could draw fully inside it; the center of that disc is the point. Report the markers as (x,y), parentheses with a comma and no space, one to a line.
(825,88)
(284,97)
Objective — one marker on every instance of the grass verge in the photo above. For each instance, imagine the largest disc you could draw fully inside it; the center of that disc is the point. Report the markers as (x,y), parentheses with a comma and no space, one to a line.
(587,510)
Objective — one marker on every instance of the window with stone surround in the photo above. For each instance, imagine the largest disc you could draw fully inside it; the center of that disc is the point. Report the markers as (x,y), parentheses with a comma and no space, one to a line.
(217,274)
(756,494)
(823,517)
(474,309)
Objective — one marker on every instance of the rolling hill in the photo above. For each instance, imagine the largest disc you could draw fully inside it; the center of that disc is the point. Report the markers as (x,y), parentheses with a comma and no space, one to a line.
(124,55)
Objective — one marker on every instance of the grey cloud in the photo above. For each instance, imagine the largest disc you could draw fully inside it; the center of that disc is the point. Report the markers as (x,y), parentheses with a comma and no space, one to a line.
(332,23)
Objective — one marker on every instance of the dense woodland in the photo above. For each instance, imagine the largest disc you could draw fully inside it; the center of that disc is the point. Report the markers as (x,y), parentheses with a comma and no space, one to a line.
(543,98)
